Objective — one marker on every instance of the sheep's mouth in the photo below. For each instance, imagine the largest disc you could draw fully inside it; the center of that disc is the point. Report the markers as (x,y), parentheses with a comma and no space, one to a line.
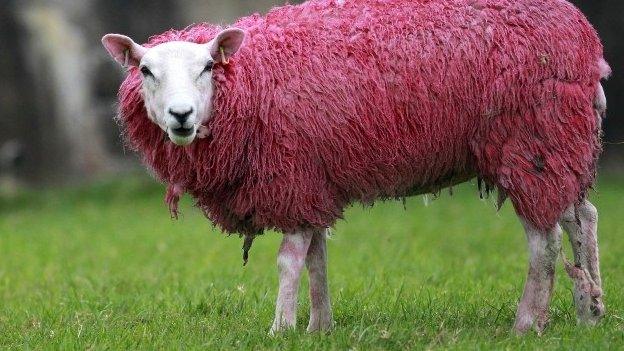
(183,132)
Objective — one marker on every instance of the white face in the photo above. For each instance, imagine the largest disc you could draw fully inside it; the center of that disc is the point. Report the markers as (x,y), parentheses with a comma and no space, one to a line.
(177,88)
(177,79)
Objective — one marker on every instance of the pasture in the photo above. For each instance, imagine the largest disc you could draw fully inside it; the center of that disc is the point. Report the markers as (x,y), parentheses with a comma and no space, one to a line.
(104,267)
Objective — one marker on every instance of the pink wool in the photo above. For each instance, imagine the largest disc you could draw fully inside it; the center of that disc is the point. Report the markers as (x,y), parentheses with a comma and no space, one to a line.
(328,103)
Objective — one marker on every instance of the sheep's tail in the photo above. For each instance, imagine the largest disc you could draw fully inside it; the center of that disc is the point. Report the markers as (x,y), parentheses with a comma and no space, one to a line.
(600,100)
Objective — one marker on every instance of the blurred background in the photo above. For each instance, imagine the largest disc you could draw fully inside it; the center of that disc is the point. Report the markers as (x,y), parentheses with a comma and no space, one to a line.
(58,91)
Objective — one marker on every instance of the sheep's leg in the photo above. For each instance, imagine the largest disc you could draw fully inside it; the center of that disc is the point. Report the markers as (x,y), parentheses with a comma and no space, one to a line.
(320,305)
(581,224)
(290,262)
(544,247)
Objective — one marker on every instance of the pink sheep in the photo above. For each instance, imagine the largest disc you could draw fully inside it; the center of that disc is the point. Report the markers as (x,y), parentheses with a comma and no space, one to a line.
(282,121)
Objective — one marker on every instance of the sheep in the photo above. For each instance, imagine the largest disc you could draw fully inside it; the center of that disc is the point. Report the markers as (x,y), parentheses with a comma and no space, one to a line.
(280,122)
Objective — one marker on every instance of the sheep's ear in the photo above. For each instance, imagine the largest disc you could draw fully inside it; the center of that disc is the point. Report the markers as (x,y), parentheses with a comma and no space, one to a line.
(123,49)
(226,44)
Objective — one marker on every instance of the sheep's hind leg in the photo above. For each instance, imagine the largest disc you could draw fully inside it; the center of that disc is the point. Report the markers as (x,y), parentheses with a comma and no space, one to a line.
(290,261)
(320,305)
(544,247)
(581,225)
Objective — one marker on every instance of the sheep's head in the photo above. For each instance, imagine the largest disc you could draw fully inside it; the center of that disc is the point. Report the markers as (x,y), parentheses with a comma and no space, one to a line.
(177,78)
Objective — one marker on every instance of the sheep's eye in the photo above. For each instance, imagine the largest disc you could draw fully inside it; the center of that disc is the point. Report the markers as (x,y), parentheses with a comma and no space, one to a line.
(146,72)
(208,67)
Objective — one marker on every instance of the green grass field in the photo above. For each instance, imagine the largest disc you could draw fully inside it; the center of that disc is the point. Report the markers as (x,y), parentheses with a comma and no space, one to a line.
(104,267)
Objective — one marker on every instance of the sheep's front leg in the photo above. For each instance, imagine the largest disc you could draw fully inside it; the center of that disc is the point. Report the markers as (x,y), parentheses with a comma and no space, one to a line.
(290,261)
(544,247)
(320,305)
(581,225)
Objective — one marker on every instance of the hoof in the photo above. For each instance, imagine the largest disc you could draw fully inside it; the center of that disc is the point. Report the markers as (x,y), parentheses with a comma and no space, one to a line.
(592,314)
(587,296)
(526,321)
(522,327)
(320,325)
(279,328)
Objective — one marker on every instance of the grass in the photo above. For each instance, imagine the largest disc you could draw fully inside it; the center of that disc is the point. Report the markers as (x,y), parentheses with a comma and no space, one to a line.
(103,267)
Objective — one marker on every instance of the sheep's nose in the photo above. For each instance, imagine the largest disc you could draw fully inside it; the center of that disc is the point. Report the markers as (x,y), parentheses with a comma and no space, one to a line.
(181,113)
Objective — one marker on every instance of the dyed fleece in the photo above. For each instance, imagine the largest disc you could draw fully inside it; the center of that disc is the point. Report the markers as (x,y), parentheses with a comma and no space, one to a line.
(333,102)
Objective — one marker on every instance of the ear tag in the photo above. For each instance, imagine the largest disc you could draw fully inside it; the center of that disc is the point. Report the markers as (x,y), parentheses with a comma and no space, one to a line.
(225,62)
(126,58)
